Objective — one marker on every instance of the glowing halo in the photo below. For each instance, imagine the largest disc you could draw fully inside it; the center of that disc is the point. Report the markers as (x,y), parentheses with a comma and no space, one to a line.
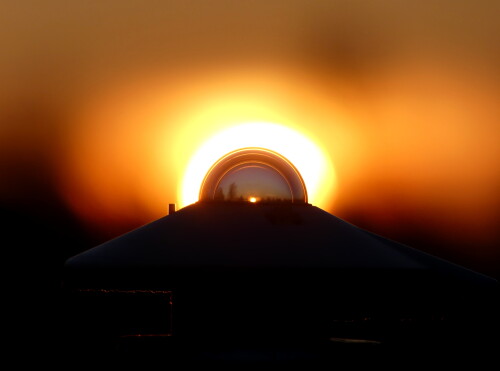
(309,159)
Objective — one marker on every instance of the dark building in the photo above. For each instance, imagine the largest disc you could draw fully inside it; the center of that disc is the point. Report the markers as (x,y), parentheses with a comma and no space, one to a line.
(267,277)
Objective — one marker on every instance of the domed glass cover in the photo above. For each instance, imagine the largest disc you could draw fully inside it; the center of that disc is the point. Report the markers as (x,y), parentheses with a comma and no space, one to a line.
(254,175)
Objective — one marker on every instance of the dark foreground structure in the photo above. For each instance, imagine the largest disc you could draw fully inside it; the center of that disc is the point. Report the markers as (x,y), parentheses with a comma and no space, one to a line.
(254,274)
(236,282)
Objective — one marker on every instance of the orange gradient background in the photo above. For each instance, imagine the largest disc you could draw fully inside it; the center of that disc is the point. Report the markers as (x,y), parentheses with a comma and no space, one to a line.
(103,105)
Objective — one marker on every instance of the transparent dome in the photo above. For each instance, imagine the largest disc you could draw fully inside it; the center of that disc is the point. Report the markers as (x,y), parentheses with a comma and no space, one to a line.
(253,175)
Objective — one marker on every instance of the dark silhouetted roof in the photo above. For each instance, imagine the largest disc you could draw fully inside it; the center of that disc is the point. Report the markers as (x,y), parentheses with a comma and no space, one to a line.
(241,235)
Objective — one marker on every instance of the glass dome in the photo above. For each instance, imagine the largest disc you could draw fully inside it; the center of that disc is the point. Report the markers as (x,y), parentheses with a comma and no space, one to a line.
(254,175)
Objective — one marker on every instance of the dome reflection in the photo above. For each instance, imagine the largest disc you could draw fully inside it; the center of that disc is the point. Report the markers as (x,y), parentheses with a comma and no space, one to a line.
(253,183)
(253,175)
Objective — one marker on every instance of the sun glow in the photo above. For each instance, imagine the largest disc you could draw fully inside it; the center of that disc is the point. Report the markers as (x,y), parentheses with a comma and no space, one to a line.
(309,159)
(140,146)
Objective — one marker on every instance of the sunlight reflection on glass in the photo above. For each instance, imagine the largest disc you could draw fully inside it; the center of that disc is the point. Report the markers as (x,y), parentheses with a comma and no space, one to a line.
(255,175)
(253,182)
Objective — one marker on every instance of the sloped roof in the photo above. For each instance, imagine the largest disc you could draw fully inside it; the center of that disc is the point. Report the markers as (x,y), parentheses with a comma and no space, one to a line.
(259,236)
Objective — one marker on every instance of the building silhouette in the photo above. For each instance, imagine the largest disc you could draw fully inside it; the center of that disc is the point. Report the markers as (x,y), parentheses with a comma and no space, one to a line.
(275,282)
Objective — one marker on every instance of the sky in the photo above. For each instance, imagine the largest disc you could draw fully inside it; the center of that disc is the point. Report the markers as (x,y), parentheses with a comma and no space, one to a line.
(102,103)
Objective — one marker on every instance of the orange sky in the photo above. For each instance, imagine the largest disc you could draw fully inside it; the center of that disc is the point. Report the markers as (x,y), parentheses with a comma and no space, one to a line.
(103,103)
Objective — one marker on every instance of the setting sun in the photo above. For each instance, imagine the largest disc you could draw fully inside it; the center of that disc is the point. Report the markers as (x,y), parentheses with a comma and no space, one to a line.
(308,158)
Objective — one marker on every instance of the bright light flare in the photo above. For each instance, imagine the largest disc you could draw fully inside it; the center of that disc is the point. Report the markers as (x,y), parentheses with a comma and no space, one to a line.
(309,158)
(252,199)
(139,146)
